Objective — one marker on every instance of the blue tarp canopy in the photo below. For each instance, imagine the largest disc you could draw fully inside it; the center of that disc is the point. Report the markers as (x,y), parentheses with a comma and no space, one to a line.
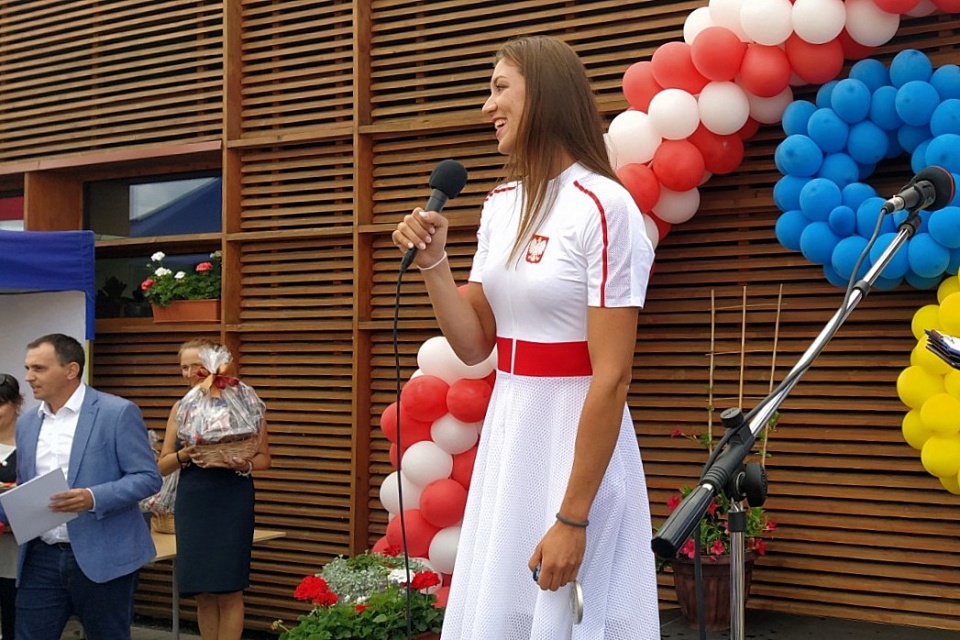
(49,261)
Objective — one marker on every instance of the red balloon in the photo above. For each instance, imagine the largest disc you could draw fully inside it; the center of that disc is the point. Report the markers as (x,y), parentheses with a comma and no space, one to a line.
(673,68)
(814,63)
(446,579)
(721,154)
(412,430)
(424,398)
(393,454)
(853,50)
(896,6)
(641,183)
(419,533)
(463,466)
(381,545)
(765,71)
(663,228)
(443,595)
(717,53)
(678,165)
(639,87)
(491,378)
(948,6)
(467,399)
(749,129)
(442,502)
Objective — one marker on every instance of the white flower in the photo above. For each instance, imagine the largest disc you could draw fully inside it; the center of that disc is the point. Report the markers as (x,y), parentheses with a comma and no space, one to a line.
(216,254)
(398,576)
(180,275)
(158,256)
(162,271)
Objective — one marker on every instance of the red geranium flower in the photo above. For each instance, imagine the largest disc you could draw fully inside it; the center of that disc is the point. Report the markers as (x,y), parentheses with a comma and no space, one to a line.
(424,580)
(314,589)
(204,266)
(146,284)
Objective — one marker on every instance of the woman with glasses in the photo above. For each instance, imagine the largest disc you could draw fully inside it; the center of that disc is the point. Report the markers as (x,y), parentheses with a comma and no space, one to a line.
(10,403)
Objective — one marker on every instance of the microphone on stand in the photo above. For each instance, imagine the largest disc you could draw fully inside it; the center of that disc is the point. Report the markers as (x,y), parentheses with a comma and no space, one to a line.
(931,189)
(447,180)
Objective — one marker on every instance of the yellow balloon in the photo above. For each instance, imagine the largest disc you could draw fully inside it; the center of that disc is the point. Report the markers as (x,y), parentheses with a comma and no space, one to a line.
(913,430)
(951,484)
(916,384)
(941,415)
(926,317)
(948,286)
(952,383)
(921,356)
(950,314)
(941,456)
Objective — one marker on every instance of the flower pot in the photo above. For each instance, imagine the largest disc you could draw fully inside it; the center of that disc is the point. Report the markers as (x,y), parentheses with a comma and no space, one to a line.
(188,311)
(716,588)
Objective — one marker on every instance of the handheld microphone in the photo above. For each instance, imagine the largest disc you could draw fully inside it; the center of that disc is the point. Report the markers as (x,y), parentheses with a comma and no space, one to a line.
(447,180)
(931,189)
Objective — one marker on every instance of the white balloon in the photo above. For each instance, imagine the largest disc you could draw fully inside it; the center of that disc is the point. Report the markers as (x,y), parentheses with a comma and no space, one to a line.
(674,114)
(696,22)
(676,206)
(443,549)
(634,137)
(726,13)
(652,231)
(425,462)
(724,107)
(454,436)
(437,358)
(870,25)
(770,110)
(706,176)
(767,22)
(818,21)
(925,8)
(390,493)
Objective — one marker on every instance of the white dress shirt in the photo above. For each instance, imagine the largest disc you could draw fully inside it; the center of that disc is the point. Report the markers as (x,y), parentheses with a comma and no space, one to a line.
(54,444)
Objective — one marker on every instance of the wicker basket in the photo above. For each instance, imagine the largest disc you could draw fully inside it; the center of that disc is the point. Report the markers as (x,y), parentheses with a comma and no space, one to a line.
(225,451)
(162,523)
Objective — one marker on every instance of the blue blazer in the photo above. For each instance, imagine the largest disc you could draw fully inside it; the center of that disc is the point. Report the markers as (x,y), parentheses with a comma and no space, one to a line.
(111,455)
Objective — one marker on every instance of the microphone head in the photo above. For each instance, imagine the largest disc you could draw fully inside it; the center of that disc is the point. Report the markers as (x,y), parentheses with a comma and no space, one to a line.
(943,186)
(449,177)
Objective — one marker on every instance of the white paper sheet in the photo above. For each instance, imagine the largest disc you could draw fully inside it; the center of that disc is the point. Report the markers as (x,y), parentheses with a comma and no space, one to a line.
(28,506)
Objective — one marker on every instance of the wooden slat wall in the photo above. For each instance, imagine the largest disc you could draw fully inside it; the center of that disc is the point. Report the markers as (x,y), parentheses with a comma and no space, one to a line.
(335,112)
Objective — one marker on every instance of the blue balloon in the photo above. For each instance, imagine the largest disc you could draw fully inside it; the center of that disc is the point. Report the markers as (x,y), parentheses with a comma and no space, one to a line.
(818,198)
(866,170)
(924,216)
(824,93)
(855,193)
(916,102)
(827,129)
(870,72)
(946,80)
(846,254)
(887,284)
(893,145)
(867,214)
(786,193)
(799,156)
(833,277)
(898,265)
(928,258)
(867,143)
(817,242)
(944,151)
(840,169)
(883,109)
(954,265)
(918,159)
(946,118)
(789,228)
(918,282)
(843,221)
(909,65)
(910,136)
(795,117)
(944,226)
(851,100)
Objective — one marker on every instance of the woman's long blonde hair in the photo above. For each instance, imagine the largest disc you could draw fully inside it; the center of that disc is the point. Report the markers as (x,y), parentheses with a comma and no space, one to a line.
(560,114)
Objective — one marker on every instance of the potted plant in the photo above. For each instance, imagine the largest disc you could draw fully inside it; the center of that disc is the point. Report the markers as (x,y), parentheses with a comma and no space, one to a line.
(366,597)
(185,295)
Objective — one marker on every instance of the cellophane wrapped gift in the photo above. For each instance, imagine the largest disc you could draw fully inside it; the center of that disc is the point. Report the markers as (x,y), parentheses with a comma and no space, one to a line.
(222,416)
(162,501)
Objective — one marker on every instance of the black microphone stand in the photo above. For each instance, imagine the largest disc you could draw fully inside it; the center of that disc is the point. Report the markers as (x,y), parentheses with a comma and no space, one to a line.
(725,470)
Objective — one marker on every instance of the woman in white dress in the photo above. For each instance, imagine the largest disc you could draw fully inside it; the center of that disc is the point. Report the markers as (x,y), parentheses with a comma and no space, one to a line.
(559,274)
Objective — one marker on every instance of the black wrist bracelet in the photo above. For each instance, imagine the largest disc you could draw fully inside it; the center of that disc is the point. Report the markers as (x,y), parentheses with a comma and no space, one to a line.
(573,523)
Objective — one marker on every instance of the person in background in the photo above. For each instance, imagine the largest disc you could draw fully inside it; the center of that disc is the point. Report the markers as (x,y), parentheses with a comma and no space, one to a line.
(214,518)
(10,403)
(88,566)
(560,271)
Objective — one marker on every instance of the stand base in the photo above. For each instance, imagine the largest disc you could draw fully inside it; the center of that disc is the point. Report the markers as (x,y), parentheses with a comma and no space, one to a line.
(716,589)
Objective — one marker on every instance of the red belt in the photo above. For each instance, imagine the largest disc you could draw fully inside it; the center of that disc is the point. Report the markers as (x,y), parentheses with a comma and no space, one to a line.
(543,359)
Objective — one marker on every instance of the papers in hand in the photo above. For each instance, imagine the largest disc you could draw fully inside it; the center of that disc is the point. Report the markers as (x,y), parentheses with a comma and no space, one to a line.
(28,506)
(946,347)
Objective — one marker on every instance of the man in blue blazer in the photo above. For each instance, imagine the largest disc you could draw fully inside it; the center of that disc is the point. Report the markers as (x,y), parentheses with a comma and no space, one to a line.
(87,567)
